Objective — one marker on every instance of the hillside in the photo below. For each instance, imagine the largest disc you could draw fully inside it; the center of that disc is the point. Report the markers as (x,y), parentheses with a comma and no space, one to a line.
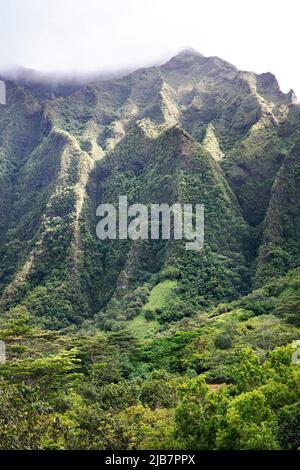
(128,336)
(55,153)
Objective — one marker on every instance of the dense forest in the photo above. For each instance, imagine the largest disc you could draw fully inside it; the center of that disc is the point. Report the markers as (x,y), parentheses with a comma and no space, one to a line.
(141,344)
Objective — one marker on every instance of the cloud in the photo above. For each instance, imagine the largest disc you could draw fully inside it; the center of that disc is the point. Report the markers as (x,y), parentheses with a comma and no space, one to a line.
(92,35)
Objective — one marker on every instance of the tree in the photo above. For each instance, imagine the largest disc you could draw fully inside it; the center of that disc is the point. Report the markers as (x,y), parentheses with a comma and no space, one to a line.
(249,424)
(24,417)
(198,415)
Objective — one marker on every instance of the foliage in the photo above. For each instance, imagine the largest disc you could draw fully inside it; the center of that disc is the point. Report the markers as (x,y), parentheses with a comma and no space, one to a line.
(122,344)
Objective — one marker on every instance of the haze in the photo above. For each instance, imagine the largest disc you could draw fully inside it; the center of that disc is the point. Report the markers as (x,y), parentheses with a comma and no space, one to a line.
(76,36)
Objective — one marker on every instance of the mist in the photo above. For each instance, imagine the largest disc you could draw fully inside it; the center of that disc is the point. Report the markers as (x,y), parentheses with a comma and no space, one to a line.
(83,40)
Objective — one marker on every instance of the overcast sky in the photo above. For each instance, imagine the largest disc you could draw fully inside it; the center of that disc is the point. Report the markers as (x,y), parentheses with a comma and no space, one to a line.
(89,35)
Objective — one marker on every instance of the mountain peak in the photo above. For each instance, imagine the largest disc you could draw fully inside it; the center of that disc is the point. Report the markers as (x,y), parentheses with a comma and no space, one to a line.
(188,52)
(186,56)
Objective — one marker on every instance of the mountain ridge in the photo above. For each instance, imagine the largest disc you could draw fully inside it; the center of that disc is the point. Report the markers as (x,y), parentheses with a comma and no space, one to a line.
(142,344)
(239,119)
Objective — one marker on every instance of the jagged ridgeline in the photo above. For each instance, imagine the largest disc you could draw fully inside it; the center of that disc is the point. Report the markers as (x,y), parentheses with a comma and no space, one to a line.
(194,130)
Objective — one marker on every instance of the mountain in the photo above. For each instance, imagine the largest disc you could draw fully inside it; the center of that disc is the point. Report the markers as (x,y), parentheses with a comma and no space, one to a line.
(194,130)
(142,344)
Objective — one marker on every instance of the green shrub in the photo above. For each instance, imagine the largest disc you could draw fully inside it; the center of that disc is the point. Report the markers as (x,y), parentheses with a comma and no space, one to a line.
(223,341)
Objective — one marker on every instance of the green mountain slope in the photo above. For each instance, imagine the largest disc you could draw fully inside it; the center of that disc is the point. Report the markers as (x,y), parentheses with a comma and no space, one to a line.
(142,344)
(193,130)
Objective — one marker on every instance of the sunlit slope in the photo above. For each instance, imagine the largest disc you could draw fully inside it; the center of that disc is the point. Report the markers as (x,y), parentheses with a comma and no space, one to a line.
(193,130)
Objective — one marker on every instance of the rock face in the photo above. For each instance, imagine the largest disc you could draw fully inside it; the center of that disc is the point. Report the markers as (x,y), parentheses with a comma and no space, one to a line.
(194,130)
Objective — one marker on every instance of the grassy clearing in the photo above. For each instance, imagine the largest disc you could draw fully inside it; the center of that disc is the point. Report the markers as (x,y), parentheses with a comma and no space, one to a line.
(142,328)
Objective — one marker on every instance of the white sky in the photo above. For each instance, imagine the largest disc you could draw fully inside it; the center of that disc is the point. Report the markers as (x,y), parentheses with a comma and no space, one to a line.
(89,35)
